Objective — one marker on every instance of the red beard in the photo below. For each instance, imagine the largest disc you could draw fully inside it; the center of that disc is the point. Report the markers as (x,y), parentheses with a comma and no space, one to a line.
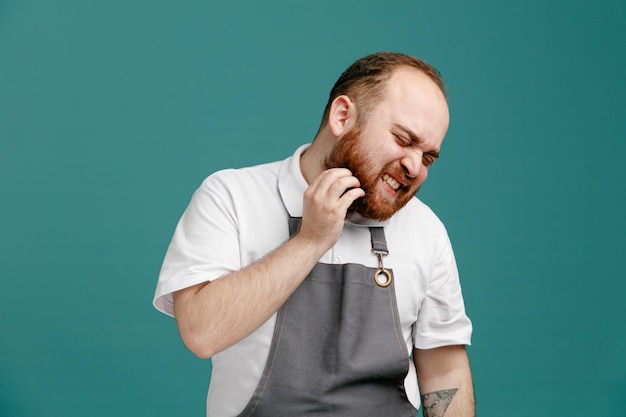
(350,153)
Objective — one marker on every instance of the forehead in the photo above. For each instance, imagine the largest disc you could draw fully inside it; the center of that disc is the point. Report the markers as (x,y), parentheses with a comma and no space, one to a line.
(413,99)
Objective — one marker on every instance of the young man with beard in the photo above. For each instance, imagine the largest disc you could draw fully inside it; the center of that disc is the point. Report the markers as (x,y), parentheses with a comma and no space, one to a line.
(319,285)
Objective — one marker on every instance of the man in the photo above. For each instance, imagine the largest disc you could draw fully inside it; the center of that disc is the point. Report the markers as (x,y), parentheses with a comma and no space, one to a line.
(319,285)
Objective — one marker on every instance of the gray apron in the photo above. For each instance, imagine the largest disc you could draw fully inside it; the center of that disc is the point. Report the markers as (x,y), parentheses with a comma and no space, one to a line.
(338,348)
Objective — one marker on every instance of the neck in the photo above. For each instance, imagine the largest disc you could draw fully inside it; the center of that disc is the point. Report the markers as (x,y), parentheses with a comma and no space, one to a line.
(312,161)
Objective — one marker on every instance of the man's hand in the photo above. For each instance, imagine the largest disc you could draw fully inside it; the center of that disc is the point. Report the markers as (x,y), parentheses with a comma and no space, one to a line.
(326,202)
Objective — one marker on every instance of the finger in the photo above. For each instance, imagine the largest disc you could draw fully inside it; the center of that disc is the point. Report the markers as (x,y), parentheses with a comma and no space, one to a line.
(342,185)
(326,178)
(333,183)
(349,197)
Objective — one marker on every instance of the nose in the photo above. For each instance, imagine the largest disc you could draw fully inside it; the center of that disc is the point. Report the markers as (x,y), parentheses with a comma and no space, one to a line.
(412,162)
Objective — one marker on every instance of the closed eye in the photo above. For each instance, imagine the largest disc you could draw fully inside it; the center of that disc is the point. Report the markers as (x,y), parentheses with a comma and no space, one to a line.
(429,158)
(402,141)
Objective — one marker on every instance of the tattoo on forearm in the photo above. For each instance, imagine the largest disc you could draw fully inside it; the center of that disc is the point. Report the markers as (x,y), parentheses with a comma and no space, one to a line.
(436,403)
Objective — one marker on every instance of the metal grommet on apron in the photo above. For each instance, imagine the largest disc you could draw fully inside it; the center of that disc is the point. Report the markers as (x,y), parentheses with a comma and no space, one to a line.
(338,348)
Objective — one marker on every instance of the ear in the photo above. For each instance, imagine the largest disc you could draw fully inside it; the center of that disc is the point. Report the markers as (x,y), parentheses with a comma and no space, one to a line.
(342,115)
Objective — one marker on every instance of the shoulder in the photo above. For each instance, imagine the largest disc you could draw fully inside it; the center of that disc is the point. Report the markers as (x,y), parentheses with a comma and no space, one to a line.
(417,214)
(242,177)
(241,194)
(228,191)
(417,227)
(241,185)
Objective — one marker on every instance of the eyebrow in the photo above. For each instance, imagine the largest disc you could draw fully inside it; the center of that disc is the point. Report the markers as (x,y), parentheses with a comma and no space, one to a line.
(414,138)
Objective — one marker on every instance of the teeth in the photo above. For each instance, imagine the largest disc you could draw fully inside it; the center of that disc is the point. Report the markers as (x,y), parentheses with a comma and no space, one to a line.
(391,182)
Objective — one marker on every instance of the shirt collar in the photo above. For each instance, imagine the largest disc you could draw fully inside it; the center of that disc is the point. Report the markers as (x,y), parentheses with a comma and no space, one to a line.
(291,182)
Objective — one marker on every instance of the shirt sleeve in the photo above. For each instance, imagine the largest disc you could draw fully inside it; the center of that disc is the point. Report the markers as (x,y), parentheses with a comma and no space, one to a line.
(442,320)
(205,245)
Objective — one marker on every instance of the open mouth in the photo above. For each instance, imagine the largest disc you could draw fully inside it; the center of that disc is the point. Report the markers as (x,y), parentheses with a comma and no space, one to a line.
(395,185)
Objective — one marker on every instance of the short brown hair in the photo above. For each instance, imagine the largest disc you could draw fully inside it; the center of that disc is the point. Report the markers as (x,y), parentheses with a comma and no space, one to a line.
(363,81)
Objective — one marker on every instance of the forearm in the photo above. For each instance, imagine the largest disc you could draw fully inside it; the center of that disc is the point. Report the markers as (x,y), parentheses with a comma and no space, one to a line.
(456,401)
(214,316)
(445,382)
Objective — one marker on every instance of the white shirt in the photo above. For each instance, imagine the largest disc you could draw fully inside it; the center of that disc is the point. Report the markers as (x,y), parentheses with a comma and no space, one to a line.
(238,216)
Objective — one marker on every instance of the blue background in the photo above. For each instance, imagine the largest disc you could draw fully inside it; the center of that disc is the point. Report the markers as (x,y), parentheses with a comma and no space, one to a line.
(111,114)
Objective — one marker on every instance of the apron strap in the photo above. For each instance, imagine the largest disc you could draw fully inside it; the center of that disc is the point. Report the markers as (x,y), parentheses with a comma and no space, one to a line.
(379,242)
(294,225)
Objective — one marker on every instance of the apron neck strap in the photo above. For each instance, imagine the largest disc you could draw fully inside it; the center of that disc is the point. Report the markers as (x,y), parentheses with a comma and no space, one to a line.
(379,243)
